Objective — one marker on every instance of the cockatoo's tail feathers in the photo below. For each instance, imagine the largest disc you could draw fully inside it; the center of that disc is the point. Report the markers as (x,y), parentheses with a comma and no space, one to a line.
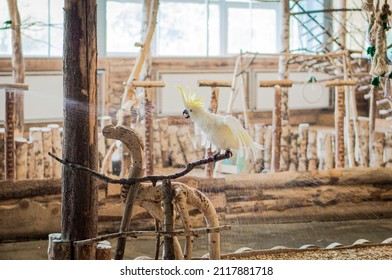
(245,141)
(190,99)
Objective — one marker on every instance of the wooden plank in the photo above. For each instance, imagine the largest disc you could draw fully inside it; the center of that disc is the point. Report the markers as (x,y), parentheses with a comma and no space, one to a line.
(272,83)
(340,83)
(211,83)
(147,84)
(14,86)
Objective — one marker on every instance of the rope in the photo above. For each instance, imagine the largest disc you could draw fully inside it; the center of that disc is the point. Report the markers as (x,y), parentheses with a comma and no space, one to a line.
(367,6)
(379,65)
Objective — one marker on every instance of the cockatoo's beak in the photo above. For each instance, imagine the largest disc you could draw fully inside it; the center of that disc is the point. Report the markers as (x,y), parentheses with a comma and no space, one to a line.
(186,114)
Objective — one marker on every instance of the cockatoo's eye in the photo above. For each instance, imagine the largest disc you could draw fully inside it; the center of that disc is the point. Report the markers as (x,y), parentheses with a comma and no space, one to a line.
(186,114)
(190,110)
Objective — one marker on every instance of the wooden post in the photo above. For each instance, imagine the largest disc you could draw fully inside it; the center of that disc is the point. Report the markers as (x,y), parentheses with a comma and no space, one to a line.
(168,219)
(339,127)
(388,149)
(311,152)
(9,135)
(209,168)
(164,136)
(303,130)
(372,116)
(176,156)
(276,119)
(104,250)
(325,151)
(2,153)
(148,130)
(57,248)
(9,125)
(339,121)
(259,138)
(185,139)
(47,146)
(79,195)
(276,129)
(267,149)
(21,148)
(18,69)
(376,154)
(293,152)
(214,103)
(285,48)
(30,160)
(285,147)
(38,157)
(148,87)
(56,149)
(363,131)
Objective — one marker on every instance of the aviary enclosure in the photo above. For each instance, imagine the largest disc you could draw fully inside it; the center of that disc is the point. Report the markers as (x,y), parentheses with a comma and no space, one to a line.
(102,181)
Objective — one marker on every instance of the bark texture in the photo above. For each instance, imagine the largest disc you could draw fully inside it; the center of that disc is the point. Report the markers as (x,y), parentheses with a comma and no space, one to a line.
(79,208)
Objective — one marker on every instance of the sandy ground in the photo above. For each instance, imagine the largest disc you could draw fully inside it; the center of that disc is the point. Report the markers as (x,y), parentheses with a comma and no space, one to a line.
(256,237)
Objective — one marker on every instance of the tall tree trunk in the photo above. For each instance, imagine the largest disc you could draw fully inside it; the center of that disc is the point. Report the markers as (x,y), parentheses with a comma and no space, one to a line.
(18,69)
(285,47)
(79,195)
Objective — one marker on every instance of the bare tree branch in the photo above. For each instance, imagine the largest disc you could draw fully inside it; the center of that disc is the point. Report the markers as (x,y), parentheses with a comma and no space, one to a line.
(153,178)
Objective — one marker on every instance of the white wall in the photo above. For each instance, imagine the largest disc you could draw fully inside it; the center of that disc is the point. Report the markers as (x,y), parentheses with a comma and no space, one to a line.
(261,99)
(302,95)
(43,100)
(170,100)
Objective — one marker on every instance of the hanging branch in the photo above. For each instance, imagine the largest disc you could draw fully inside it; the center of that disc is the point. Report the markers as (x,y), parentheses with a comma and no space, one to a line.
(129,181)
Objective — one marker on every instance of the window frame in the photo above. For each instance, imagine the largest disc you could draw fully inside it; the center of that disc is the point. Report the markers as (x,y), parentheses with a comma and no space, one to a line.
(223,7)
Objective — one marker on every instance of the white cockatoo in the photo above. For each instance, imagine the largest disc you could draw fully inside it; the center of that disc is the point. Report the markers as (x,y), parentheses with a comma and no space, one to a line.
(224,132)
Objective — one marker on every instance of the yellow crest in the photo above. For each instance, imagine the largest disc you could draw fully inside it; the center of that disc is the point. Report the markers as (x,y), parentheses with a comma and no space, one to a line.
(190,99)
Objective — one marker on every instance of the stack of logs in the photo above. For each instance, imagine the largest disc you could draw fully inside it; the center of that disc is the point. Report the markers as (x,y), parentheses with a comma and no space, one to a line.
(302,148)
(32,160)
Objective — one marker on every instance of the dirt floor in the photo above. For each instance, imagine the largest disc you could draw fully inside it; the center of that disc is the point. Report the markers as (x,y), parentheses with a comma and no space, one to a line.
(256,237)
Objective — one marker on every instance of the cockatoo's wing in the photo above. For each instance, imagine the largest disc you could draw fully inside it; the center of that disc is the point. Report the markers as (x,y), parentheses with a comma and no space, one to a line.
(244,139)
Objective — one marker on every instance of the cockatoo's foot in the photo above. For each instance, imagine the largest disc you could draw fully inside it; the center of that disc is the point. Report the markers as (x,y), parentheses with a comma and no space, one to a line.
(228,153)
(215,155)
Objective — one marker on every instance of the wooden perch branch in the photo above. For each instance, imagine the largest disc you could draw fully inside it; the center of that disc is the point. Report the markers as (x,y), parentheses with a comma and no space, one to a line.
(210,83)
(135,234)
(129,181)
(13,86)
(272,83)
(128,90)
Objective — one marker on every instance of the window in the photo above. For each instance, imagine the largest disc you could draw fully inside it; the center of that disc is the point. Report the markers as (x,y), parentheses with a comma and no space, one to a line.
(185,27)
(195,27)
(252,29)
(42,25)
(123,25)
(182,29)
